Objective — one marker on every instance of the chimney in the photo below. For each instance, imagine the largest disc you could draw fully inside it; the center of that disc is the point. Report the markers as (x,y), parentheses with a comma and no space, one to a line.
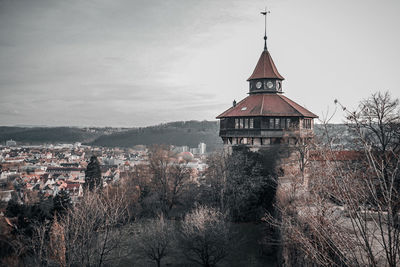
(234,103)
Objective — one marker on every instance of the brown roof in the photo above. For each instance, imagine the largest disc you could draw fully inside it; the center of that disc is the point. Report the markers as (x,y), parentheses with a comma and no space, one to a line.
(265,68)
(72,185)
(342,155)
(267,105)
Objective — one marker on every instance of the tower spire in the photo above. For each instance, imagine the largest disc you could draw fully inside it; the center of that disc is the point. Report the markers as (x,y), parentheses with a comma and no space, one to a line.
(265,12)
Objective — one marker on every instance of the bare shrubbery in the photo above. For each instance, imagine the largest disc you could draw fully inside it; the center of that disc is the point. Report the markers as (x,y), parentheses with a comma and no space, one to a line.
(90,232)
(164,183)
(117,222)
(145,212)
(205,236)
(349,213)
(154,238)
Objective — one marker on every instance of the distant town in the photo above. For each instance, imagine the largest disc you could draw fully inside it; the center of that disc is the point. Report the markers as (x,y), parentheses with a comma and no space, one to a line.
(49,169)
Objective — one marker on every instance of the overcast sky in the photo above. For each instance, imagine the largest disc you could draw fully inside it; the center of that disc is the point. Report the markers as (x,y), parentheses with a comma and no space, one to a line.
(137,63)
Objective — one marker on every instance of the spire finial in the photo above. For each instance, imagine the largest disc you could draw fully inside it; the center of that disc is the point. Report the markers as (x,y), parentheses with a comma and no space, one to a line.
(265,12)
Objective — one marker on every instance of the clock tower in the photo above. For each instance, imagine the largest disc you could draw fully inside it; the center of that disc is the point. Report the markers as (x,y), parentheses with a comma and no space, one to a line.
(265,117)
(265,77)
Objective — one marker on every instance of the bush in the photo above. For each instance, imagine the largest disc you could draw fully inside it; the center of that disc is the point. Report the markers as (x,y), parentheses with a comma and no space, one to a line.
(205,236)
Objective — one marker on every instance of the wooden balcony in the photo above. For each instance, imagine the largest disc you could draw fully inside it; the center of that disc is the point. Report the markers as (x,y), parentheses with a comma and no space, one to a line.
(274,133)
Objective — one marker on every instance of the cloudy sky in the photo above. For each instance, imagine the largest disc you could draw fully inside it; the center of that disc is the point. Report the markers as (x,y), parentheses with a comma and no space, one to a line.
(143,62)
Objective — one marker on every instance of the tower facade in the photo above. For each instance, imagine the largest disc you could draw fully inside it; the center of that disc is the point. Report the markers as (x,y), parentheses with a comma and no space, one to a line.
(265,117)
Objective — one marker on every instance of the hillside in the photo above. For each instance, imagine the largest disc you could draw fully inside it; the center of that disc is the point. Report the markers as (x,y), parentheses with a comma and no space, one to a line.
(189,133)
(341,135)
(40,135)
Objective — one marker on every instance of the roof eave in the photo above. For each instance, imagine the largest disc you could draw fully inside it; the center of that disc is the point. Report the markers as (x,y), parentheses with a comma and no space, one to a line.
(256,78)
(222,116)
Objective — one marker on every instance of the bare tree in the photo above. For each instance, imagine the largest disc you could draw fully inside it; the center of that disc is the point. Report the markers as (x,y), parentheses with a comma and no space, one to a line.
(311,227)
(169,178)
(205,237)
(302,149)
(39,244)
(92,231)
(349,214)
(377,121)
(216,176)
(57,243)
(154,238)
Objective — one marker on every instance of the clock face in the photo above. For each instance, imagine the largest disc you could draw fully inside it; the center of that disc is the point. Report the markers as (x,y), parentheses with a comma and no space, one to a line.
(258,85)
(270,84)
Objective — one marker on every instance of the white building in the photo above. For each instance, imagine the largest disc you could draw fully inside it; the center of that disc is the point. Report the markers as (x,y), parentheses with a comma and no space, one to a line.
(195,151)
(180,149)
(11,143)
(202,148)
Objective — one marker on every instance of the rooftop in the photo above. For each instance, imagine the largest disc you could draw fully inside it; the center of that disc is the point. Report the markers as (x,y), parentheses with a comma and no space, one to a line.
(265,68)
(267,105)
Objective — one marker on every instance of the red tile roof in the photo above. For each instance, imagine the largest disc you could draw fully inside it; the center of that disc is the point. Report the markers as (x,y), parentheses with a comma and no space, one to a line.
(265,68)
(343,155)
(267,105)
(72,186)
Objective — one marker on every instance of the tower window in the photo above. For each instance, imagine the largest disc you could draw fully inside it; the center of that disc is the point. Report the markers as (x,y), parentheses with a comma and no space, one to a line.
(241,123)
(251,126)
(271,123)
(288,123)
(223,123)
(307,123)
(277,123)
(246,123)
(236,123)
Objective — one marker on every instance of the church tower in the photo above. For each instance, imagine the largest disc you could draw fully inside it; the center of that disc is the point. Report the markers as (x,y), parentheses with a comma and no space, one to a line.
(266,117)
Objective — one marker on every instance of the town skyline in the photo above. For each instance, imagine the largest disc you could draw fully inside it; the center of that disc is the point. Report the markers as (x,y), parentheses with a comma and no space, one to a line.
(141,63)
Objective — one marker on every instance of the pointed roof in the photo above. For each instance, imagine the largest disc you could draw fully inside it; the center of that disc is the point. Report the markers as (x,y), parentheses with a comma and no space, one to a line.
(265,68)
(267,105)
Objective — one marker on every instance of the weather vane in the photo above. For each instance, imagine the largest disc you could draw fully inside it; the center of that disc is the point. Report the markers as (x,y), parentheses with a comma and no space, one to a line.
(265,12)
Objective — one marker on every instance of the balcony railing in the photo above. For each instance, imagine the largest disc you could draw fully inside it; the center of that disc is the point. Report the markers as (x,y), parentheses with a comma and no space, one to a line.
(263,132)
